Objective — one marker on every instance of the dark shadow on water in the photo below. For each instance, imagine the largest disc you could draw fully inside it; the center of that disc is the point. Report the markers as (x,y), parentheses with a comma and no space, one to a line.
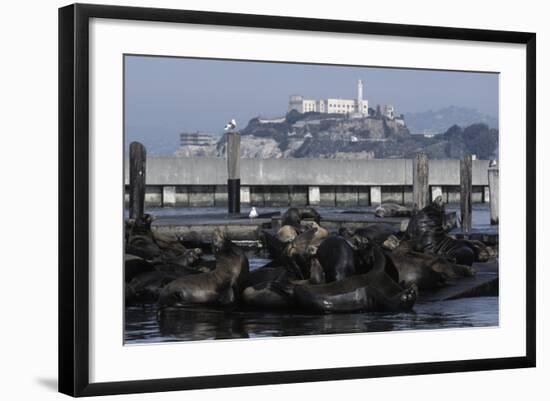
(49,383)
(143,325)
(210,324)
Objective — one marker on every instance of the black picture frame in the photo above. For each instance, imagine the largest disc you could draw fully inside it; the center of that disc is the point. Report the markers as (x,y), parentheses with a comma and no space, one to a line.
(74,200)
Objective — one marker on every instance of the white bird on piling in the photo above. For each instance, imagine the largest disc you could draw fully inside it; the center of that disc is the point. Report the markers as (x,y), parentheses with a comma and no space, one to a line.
(230,125)
(253,213)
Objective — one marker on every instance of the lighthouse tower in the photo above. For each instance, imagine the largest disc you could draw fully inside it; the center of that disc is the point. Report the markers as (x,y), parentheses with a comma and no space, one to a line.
(360,96)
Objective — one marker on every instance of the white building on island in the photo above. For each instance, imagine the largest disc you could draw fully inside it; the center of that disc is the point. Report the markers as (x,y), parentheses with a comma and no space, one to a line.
(196,139)
(358,106)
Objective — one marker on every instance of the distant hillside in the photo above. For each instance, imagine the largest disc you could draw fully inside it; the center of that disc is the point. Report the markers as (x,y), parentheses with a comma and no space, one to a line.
(435,122)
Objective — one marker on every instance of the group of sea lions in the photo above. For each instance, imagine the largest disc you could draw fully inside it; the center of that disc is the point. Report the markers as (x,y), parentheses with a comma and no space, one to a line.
(153,260)
(371,269)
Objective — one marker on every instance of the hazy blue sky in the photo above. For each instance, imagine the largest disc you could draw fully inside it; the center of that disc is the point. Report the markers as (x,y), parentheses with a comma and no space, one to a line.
(165,96)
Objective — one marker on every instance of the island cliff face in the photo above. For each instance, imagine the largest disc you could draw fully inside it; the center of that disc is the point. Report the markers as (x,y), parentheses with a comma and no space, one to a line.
(316,135)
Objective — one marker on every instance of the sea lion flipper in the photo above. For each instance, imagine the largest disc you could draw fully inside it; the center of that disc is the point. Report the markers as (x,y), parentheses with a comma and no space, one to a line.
(302,241)
(379,259)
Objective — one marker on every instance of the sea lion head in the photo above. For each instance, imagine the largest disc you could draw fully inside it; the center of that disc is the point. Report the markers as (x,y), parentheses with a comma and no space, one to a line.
(141,225)
(291,217)
(192,256)
(218,240)
(391,242)
(380,212)
(345,232)
(438,201)
(287,234)
(311,224)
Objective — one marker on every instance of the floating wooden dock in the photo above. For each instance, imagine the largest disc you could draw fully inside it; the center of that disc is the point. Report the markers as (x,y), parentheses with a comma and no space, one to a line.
(239,227)
(484,283)
(333,221)
(199,228)
(488,236)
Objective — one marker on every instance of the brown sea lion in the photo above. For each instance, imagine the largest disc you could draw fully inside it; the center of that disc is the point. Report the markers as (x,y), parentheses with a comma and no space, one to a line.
(373,233)
(146,287)
(277,292)
(287,234)
(294,216)
(320,233)
(179,261)
(294,254)
(392,210)
(370,292)
(425,270)
(222,286)
(134,266)
(337,258)
(428,229)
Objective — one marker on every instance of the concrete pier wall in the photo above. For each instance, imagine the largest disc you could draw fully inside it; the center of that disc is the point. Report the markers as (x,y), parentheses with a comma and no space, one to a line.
(185,182)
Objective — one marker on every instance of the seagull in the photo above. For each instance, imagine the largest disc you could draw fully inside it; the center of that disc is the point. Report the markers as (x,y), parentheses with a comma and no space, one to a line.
(493,163)
(253,213)
(230,125)
(354,138)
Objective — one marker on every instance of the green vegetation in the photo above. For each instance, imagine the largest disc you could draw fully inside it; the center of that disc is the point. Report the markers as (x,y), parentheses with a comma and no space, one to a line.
(476,139)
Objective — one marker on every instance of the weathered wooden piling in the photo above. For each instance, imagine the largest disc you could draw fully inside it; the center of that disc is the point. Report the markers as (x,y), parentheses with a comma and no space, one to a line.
(234,172)
(138,158)
(493,193)
(421,189)
(466,193)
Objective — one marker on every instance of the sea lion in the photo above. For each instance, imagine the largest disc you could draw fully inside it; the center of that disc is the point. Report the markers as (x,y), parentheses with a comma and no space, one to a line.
(455,250)
(146,287)
(221,286)
(392,210)
(373,233)
(166,241)
(310,213)
(265,296)
(159,248)
(320,233)
(287,234)
(180,261)
(264,274)
(428,229)
(483,252)
(142,244)
(291,217)
(370,292)
(337,258)
(425,270)
(294,216)
(278,292)
(134,266)
(295,254)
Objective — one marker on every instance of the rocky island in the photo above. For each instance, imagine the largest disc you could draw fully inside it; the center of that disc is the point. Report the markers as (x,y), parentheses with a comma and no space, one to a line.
(322,135)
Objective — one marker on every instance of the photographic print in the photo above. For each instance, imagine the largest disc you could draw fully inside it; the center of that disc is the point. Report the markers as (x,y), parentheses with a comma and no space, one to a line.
(268,199)
(239,200)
